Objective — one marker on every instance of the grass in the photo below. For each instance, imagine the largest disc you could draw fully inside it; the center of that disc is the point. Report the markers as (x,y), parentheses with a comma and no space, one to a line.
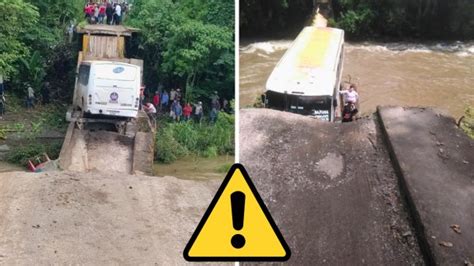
(175,140)
(224,168)
(27,125)
(21,154)
(467,124)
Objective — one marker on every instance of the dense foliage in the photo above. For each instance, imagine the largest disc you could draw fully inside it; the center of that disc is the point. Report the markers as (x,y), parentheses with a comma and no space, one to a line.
(187,44)
(34,46)
(427,19)
(14,24)
(175,140)
(28,127)
(23,153)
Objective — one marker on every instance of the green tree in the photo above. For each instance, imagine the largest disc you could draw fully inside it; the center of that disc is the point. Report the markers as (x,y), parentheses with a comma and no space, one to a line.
(187,42)
(16,20)
(34,69)
(195,49)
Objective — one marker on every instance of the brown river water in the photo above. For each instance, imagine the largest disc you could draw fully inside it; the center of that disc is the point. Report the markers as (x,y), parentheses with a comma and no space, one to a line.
(438,74)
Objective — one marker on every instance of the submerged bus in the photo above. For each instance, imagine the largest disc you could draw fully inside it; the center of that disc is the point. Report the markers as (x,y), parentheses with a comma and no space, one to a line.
(307,78)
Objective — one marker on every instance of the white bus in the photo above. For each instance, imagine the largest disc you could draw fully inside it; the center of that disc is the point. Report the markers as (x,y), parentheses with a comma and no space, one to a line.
(108,88)
(308,76)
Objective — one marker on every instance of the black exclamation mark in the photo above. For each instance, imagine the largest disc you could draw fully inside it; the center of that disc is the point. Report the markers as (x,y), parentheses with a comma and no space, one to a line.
(237,200)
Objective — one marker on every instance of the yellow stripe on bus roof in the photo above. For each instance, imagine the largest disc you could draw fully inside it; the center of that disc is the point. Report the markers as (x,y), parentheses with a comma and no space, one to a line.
(314,53)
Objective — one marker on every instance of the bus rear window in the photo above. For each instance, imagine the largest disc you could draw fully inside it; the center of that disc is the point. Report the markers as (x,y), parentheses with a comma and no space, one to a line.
(84,71)
(115,72)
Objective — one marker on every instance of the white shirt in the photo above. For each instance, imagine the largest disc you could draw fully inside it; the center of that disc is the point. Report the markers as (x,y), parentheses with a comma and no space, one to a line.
(31,92)
(350,96)
(150,109)
(198,109)
(118,10)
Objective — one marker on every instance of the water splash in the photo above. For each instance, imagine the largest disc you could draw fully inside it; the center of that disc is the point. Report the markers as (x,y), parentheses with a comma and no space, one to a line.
(462,49)
(268,47)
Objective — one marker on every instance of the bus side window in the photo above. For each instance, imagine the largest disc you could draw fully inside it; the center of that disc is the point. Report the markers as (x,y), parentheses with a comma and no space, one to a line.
(84,74)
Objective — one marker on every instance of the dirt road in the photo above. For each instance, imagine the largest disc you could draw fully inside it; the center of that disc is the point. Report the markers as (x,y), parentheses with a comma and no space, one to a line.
(97,218)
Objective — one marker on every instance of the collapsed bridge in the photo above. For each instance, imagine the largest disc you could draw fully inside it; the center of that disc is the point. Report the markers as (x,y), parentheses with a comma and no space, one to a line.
(386,190)
(99,149)
(107,131)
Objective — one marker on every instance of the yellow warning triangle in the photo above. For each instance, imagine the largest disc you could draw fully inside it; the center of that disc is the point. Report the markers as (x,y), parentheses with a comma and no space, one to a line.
(237,226)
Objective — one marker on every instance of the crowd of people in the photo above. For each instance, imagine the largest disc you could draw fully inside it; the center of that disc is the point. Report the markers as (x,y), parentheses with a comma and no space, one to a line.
(106,12)
(172,104)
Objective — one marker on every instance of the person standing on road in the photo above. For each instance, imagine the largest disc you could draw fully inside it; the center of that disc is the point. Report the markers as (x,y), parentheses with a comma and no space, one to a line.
(215,107)
(87,11)
(2,88)
(45,92)
(172,110)
(198,112)
(214,115)
(96,13)
(172,95)
(30,99)
(165,101)
(2,97)
(178,111)
(150,110)
(109,11)
(124,7)
(215,99)
(225,105)
(187,111)
(142,97)
(178,96)
(118,14)
(102,13)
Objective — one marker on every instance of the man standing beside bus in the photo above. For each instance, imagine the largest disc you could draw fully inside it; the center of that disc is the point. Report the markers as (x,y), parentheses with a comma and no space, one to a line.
(350,95)
(118,14)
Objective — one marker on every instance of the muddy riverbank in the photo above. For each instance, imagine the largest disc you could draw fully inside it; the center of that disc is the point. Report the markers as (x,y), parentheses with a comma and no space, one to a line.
(197,168)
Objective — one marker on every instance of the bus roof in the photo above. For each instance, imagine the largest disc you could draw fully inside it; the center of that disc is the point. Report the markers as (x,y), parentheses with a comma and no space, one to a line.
(104,62)
(309,67)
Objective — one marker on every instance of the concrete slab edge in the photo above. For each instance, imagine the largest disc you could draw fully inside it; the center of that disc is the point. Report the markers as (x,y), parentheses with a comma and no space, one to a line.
(425,248)
(66,143)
